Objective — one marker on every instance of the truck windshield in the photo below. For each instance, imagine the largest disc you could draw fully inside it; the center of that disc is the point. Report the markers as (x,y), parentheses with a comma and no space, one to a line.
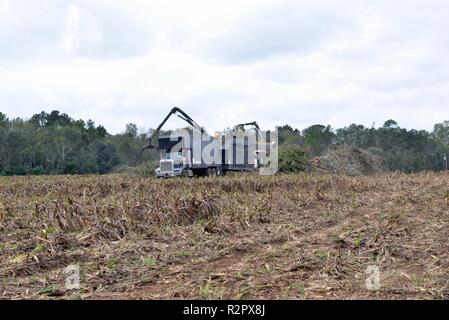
(172,155)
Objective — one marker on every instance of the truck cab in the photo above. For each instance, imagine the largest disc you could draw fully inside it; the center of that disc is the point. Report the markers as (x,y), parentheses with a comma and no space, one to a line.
(173,163)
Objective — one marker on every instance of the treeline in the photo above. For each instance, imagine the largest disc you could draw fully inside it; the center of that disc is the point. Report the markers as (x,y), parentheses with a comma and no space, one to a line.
(401,149)
(54,143)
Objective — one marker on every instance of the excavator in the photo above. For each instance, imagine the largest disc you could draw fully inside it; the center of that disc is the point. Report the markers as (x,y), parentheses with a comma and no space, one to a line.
(195,153)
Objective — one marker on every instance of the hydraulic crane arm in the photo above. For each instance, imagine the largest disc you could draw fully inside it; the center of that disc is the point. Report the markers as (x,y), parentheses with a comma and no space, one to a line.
(243,125)
(184,116)
(253,124)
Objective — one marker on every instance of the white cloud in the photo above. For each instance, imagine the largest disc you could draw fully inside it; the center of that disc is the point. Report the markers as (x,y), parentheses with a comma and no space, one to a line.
(70,40)
(277,62)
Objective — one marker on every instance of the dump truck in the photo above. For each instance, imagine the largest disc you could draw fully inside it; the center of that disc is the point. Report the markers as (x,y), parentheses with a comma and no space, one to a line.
(193,152)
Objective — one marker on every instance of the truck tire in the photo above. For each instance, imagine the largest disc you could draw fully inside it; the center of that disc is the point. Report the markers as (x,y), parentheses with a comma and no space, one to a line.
(211,172)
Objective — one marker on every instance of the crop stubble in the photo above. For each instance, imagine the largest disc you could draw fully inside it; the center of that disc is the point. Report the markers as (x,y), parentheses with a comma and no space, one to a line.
(239,237)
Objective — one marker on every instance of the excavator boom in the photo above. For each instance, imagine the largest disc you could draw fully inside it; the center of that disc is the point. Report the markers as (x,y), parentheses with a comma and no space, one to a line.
(184,116)
(253,124)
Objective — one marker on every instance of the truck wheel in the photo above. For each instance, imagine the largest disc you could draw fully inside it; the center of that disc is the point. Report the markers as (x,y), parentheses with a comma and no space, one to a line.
(211,172)
(219,172)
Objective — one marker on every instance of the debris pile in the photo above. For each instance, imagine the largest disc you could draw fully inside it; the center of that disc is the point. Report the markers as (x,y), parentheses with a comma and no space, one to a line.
(349,160)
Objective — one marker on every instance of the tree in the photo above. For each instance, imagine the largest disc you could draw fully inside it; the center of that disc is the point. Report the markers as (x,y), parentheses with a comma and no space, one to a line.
(391,124)
(66,140)
(106,157)
(79,124)
(101,131)
(441,132)
(356,135)
(39,119)
(3,119)
(90,125)
(292,159)
(55,118)
(288,135)
(15,151)
(318,138)
(71,167)
(55,144)
(131,130)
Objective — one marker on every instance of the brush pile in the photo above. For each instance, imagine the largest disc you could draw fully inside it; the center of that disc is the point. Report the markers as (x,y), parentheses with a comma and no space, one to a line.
(348,160)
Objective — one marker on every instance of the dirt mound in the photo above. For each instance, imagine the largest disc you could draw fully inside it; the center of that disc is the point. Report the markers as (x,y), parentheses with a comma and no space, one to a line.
(349,160)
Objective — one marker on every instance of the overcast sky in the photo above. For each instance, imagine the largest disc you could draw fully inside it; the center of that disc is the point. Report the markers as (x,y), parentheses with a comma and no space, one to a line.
(225,62)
